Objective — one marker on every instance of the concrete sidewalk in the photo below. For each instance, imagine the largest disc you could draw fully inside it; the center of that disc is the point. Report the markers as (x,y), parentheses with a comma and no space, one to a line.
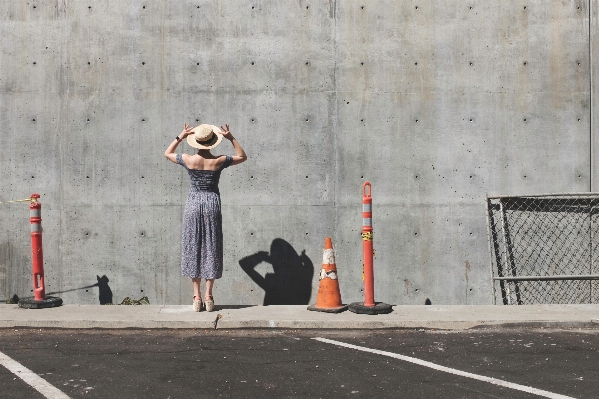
(449,317)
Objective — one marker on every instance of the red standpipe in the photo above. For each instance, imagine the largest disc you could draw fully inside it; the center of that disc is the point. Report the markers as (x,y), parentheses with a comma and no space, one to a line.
(367,237)
(37,254)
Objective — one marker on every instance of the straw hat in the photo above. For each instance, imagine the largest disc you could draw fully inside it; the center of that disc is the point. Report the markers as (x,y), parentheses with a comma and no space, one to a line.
(205,137)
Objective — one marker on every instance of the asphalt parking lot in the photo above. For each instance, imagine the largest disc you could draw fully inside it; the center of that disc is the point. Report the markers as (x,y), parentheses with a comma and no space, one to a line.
(288,363)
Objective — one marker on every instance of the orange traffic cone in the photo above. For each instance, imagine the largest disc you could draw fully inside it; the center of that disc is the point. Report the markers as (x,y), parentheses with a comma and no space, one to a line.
(329,297)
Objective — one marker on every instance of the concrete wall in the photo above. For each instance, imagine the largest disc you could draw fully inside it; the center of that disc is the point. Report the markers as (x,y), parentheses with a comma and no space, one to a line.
(434,102)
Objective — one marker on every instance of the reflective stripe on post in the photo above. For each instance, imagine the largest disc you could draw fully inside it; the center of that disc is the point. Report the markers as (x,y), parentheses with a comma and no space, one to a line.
(367,245)
(37,255)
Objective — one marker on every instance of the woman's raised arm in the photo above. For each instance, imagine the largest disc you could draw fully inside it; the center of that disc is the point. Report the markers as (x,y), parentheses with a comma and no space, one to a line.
(170,150)
(240,155)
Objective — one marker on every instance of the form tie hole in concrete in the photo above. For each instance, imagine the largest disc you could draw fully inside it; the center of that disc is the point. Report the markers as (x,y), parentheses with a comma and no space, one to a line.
(144,7)
(143,63)
(524,119)
(142,290)
(90,7)
(471,119)
(251,234)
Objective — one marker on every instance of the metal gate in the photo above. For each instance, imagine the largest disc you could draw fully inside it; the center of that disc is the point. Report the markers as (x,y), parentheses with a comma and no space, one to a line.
(542,248)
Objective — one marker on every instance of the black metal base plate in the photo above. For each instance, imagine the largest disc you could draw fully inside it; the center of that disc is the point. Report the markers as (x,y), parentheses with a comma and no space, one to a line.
(31,303)
(378,308)
(339,309)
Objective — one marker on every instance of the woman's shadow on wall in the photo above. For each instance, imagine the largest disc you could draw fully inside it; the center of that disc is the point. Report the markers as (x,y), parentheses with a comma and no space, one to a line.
(291,282)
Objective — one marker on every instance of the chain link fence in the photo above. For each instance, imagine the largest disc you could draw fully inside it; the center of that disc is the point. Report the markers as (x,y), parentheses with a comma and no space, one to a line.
(543,248)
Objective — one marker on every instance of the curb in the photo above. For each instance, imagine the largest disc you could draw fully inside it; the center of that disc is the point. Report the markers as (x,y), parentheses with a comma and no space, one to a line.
(296,317)
(295,325)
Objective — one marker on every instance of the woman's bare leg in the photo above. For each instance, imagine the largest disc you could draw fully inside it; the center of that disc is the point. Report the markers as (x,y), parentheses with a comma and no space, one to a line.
(209,285)
(197,294)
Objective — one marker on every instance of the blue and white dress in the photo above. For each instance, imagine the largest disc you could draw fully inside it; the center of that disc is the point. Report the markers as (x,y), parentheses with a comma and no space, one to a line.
(202,243)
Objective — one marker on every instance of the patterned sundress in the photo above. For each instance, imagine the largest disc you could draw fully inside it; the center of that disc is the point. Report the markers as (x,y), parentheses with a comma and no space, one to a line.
(202,243)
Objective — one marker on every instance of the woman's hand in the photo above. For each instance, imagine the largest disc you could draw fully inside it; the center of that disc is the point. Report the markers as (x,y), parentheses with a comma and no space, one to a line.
(186,131)
(226,132)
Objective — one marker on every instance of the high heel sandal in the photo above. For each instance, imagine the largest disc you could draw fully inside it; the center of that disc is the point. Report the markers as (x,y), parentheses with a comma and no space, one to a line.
(197,304)
(209,303)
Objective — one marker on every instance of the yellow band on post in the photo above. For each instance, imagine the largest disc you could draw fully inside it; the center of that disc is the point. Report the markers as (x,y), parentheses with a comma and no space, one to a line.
(367,236)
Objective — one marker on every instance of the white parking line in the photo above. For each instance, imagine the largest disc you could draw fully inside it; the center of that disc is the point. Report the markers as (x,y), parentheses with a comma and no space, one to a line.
(434,366)
(37,382)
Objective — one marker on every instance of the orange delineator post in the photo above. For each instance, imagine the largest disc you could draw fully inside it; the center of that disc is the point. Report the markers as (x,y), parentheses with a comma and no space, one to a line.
(39,300)
(369,306)
(367,245)
(37,254)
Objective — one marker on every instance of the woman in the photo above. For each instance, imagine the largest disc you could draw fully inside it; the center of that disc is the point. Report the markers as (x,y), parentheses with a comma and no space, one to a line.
(202,221)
